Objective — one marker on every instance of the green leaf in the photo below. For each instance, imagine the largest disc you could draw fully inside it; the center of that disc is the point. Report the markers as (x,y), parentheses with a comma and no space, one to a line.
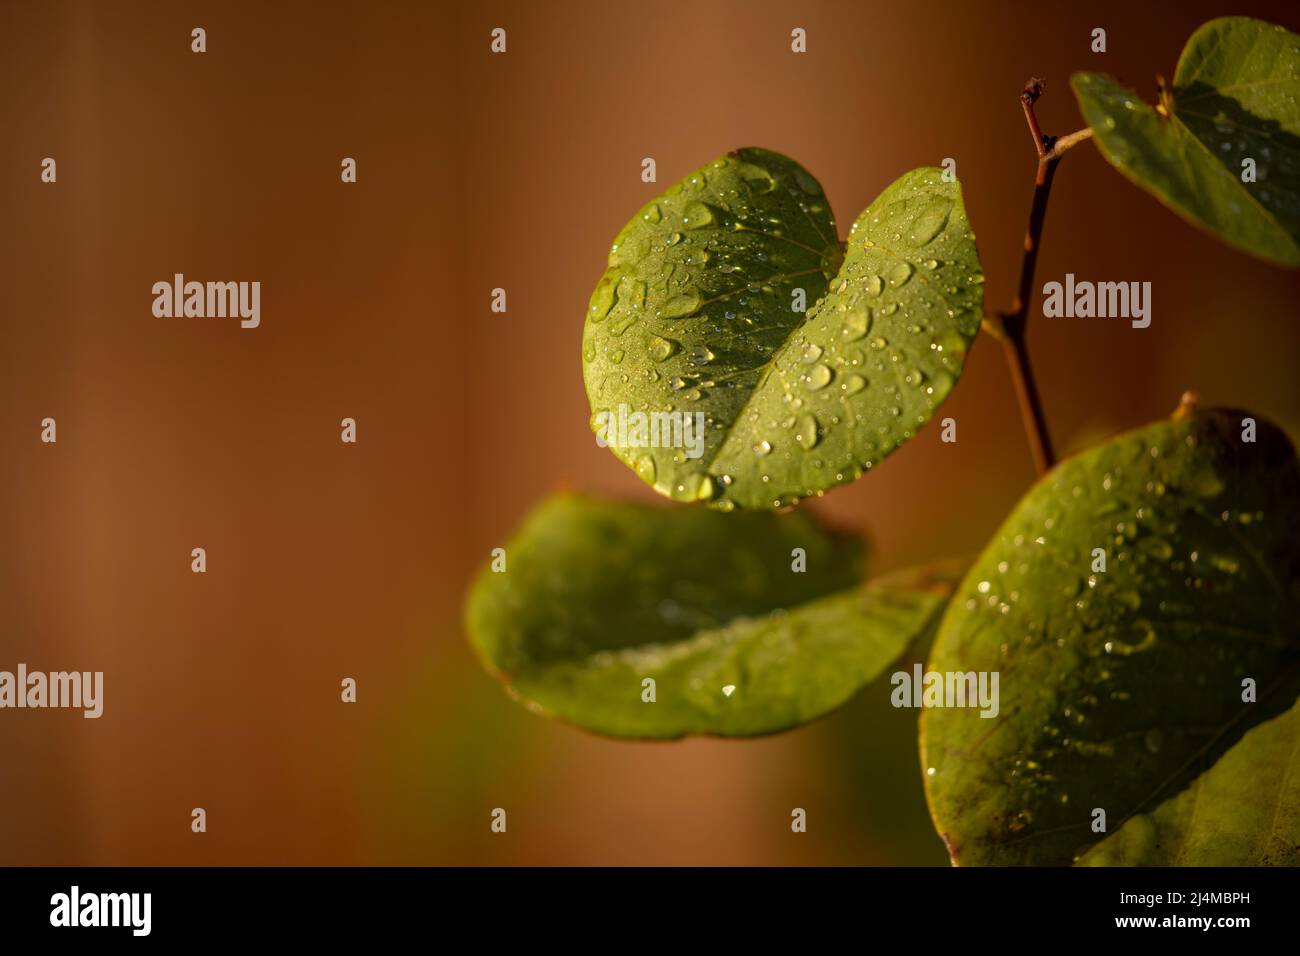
(1118,686)
(697,314)
(598,597)
(1236,96)
(1244,811)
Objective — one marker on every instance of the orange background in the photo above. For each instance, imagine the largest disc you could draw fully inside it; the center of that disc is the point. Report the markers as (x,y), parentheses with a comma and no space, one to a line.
(328,560)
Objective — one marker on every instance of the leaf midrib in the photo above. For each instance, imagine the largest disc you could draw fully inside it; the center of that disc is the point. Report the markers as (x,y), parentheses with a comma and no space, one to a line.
(779,352)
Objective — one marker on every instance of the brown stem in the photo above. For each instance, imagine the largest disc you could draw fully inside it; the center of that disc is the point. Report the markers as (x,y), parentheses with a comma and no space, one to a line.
(1031,407)
(1019,312)
(1028,97)
(1010,326)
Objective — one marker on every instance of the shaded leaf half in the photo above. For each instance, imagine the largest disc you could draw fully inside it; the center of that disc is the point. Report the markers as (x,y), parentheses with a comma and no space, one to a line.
(599,597)
(700,313)
(1243,811)
(1119,685)
(1235,104)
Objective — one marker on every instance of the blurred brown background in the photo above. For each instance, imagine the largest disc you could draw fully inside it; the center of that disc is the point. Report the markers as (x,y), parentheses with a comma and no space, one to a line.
(328,560)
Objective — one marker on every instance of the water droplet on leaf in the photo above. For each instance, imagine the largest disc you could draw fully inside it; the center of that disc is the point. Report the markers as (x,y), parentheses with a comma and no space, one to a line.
(701,355)
(807,435)
(680,306)
(697,215)
(818,377)
(662,349)
(930,222)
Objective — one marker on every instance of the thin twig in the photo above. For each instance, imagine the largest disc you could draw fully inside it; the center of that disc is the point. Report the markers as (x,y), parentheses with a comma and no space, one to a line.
(1033,90)
(1068,141)
(1009,326)
(1031,407)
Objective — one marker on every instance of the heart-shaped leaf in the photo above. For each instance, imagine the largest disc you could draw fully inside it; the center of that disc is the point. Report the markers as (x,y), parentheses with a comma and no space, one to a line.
(597,598)
(707,379)
(1118,685)
(1226,156)
(1243,811)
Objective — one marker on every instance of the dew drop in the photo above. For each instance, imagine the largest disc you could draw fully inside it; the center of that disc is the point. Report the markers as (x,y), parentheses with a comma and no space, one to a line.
(806,182)
(701,355)
(758,179)
(807,434)
(856,324)
(930,222)
(662,349)
(818,377)
(602,300)
(697,215)
(899,273)
(680,306)
(633,292)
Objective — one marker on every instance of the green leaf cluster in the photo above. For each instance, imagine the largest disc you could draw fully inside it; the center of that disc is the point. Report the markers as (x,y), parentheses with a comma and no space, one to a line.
(1127,603)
